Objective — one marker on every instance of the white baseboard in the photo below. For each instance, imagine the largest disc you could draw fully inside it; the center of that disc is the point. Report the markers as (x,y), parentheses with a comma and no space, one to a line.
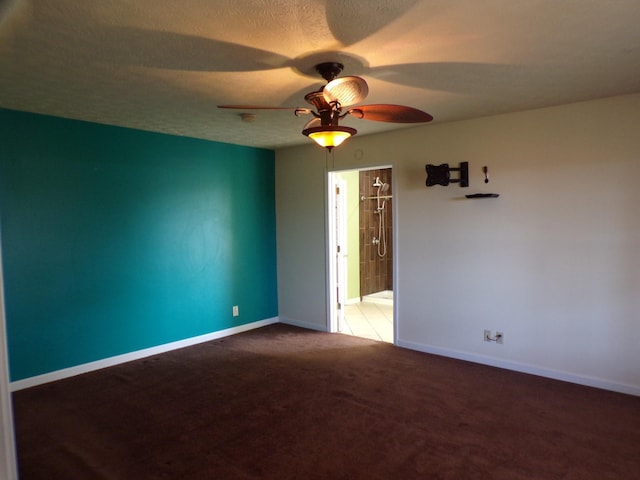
(128,357)
(482,359)
(524,368)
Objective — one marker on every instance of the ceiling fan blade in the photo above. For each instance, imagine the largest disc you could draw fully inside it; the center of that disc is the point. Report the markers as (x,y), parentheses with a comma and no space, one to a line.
(258,107)
(346,90)
(390,113)
(314,122)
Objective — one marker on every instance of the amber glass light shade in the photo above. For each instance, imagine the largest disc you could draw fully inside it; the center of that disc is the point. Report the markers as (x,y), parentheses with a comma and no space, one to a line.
(329,136)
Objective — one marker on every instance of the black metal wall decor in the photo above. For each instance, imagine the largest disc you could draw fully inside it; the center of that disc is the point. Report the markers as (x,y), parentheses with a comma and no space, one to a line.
(485,170)
(441,174)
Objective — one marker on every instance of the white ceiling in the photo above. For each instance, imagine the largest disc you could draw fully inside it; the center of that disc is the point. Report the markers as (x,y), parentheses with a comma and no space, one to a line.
(164,65)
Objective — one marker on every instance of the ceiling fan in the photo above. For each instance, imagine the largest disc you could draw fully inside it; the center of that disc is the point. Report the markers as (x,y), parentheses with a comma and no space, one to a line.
(330,104)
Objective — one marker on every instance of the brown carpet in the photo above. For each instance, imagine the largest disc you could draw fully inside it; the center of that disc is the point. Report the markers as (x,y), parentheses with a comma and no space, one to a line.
(287,403)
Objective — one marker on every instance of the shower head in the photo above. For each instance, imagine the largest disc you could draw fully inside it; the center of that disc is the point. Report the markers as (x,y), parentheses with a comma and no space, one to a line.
(384,188)
(377,183)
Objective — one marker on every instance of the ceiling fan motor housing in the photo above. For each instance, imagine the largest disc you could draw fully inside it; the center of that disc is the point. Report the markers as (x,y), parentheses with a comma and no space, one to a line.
(329,70)
(328,113)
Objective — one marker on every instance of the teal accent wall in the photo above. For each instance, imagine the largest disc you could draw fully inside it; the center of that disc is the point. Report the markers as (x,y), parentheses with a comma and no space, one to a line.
(116,240)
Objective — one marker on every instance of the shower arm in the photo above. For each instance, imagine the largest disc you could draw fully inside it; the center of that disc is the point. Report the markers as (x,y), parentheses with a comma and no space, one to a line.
(382,197)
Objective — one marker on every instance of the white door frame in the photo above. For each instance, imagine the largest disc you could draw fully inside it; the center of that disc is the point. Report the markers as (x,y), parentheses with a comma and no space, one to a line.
(335,316)
(8,464)
(337,242)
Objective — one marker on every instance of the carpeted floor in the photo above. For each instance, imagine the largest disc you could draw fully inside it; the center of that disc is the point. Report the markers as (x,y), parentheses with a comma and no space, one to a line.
(286,403)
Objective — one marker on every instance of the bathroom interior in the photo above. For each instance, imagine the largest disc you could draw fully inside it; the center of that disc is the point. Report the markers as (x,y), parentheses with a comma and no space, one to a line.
(368,310)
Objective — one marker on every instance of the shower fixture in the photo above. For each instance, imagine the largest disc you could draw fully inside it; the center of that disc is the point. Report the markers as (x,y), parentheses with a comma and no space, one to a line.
(381,203)
(382,188)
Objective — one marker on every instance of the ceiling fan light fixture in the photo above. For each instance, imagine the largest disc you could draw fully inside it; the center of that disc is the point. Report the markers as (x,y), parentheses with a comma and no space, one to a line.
(329,136)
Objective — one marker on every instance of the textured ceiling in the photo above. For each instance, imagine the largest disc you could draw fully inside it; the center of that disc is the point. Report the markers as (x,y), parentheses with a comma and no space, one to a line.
(164,66)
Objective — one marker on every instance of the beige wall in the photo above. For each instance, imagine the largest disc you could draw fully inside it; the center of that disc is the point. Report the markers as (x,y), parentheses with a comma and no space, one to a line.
(552,263)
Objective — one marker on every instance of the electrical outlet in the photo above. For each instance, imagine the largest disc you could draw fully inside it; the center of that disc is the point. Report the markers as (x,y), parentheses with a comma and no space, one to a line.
(499,337)
(236,312)
(487,336)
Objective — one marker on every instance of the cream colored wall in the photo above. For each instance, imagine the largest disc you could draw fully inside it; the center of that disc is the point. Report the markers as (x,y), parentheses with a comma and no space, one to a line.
(552,263)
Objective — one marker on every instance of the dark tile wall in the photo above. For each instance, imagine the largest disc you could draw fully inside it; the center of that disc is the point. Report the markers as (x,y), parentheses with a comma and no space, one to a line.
(376,271)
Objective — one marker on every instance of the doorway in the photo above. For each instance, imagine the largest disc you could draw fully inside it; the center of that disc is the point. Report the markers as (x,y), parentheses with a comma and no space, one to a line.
(360,282)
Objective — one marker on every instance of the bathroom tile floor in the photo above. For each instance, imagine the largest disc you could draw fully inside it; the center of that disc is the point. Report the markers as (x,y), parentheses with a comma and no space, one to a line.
(371,318)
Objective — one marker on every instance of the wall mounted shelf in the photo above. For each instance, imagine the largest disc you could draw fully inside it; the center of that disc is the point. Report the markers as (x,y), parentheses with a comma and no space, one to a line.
(483,195)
